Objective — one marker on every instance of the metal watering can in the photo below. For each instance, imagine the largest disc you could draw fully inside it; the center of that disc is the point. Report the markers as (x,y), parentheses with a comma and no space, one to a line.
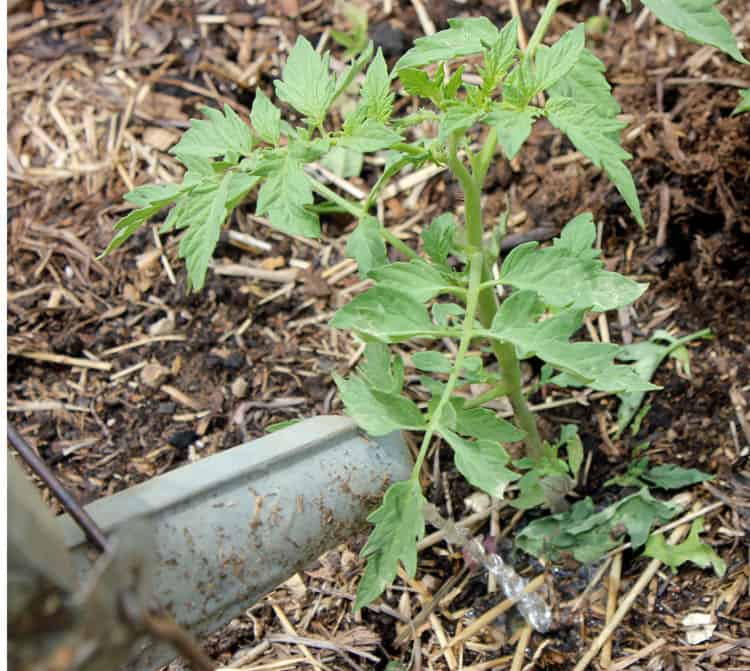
(203,542)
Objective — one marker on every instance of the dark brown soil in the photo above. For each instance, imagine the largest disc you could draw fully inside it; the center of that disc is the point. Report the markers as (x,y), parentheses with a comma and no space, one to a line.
(97,98)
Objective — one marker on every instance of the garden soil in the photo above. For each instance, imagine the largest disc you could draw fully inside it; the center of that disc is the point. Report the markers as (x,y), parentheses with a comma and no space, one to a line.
(117,374)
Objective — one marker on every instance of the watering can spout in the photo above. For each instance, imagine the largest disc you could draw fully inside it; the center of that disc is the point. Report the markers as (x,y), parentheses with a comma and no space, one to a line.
(231,527)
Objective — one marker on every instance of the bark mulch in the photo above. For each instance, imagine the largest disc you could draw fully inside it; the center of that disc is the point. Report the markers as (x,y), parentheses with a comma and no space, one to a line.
(116,374)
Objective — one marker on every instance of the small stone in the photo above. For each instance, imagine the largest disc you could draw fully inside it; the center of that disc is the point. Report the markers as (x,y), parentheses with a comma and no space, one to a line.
(166,408)
(153,374)
(478,502)
(235,361)
(699,627)
(391,39)
(183,439)
(239,387)
(162,326)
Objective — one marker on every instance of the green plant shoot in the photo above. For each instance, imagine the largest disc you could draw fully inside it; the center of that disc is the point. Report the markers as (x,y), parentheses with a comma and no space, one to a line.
(447,288)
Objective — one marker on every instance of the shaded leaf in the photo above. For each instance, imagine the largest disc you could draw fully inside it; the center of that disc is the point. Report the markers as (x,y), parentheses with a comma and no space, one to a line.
(438,237)
(668,476)
(219,135)
(399,524)
(463,38)
(482,463)
(693,549)
(700,21)
(596,137)
(377,412)
(306,82)
(385,315)
(366,246)
(416,278)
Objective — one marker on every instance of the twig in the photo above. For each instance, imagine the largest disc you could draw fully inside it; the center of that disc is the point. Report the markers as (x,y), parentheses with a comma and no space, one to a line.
(647,652)
(471,520)
(75,362)
(424,18)
(614,590)
(319,643)
(520,653)
(144,341)
(290,630)
(496,611)
(627,603)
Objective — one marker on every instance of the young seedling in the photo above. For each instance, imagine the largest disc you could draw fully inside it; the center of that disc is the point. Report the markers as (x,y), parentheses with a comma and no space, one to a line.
(531,303)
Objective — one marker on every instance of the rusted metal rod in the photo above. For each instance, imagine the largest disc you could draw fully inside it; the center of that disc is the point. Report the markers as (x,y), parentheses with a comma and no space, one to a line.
(66,499)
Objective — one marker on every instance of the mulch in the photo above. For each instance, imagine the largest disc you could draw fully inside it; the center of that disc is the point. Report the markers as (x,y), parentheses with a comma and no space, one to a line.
(116,374)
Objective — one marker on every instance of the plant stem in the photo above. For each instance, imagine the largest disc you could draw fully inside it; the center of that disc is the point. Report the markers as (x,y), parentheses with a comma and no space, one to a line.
(398,243)
(491,394)
(472,298)
(329,194)
(504,352)
(360,213)
(541,27)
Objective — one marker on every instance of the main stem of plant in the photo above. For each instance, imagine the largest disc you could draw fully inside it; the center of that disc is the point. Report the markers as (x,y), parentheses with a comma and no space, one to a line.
(504,352)
(476,263)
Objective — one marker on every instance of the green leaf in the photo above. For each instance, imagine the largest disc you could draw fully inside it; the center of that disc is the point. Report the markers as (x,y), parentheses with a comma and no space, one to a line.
(587,84)
(384,315)
(552,63)
(482,463)
(345,79)
(399,524)
(201,208)
(499,57)
(594,136)
(549,341)
(483,424)
(366,246)
(638,512)
(128,225)
(438,237)
(343,162)
(377,98)
(418,83)
(306,83)
(369,136)
(431,362)
(380,371)
(589,535)
(283,198)
(548,536)
(519,87)
(266,118)
(700,21)
(693,549)
(463,38)
(513,127)
(442,311)
(198,245)
(519,310)
(278,426)
(377,412)
(154,195)
(221,134)
(668,476)
(574,447)
(459,117)
(744,104)
(647,357)
(417,279)
(531,492)
(355,39)
(150,199)
(570,274)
